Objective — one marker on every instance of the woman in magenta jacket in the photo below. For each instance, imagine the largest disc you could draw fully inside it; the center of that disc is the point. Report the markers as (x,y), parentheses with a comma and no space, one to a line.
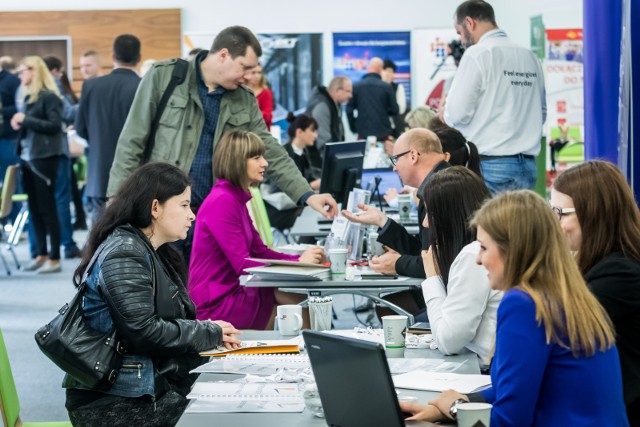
(225,236)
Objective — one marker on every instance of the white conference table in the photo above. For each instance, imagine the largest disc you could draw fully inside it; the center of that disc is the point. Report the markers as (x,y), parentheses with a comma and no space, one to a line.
(468,360)
(337,284)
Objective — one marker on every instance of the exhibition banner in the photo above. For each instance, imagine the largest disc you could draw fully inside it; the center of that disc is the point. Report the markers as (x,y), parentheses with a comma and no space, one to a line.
(352,52)
(292,64)
(564,83)
(433,67)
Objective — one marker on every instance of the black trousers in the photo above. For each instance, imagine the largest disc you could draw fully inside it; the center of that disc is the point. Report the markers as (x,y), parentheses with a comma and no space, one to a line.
(39,181)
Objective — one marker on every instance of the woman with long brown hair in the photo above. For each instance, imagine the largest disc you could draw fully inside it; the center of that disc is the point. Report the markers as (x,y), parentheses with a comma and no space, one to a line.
(601,221)
(555,362)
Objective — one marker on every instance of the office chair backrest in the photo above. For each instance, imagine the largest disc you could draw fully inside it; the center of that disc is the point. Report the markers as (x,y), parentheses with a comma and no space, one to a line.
(8,394)
(260,218)
(8,189)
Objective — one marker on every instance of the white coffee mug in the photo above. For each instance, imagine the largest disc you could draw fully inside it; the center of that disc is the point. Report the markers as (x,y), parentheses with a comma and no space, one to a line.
(338,259)
(473,414)
(395,330)
(289,319)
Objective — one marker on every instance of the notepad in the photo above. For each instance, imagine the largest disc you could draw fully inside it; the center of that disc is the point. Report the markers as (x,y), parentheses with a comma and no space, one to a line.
(441,381)
(245,397)
(257,347)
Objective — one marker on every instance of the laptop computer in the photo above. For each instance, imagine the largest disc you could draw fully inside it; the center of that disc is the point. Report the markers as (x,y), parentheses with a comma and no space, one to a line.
(354,382)
(388,179)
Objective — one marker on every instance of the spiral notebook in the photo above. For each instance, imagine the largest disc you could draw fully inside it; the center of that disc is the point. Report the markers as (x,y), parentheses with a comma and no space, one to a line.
(245,397)
(262,364)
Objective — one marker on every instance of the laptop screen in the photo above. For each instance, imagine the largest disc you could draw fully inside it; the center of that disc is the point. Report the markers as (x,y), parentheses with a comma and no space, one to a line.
(353,380)
(389,179)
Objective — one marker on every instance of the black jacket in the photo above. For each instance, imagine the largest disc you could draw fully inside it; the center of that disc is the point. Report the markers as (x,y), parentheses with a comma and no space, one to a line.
(103,109)
(41,134)
(615,281)
(321,96)
(151,309)
(310,170)
(375,102)
(8,86)
(156,321)
(398,238)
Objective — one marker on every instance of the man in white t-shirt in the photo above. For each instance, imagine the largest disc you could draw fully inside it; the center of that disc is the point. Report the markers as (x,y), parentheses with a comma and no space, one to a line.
(497,99)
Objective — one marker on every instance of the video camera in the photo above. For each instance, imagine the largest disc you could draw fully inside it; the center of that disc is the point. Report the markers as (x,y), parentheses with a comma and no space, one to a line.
(457,50)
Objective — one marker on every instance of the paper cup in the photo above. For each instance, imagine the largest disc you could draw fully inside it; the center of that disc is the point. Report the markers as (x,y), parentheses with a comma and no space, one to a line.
(338,259)
(395,330)
(474,414)
(320,313)
(404,207)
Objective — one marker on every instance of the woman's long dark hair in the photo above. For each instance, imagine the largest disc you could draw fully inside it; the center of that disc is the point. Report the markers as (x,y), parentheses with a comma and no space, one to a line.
(462,152)
(132,205)
(451,197)
(67,90)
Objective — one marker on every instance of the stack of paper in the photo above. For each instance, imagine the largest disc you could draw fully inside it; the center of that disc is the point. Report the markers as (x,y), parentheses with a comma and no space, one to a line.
(257,347)
(280,270)
(441,381)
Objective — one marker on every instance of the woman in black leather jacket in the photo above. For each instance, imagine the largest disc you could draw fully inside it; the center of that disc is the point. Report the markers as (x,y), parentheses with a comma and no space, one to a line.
(41,145)
(137,287)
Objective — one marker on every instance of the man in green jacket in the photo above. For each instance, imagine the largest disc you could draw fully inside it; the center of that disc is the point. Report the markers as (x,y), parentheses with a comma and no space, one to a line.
(211,101)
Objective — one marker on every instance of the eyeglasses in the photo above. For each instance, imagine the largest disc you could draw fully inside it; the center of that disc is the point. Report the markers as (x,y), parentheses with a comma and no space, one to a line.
(562,211)
(394,159)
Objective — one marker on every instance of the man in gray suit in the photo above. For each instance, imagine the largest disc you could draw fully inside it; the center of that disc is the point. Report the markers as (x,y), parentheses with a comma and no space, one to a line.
(104,106)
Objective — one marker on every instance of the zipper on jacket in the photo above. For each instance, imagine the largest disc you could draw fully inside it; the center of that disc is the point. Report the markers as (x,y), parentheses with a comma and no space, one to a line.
(137,366)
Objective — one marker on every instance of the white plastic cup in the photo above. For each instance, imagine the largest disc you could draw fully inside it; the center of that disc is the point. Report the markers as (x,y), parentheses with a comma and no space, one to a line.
(473,414)
(338,260)
(372,141)
(395,330)
(374,247)
(404,207)
(289,319)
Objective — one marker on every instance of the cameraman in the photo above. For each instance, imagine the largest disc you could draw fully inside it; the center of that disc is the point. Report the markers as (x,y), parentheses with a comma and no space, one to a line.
(455,49)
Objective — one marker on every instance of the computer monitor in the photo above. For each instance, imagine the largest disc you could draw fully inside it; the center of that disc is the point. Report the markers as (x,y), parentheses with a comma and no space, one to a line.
(342,169)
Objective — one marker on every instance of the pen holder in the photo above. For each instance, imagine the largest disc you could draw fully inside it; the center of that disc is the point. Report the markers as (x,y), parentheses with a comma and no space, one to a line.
(320,311)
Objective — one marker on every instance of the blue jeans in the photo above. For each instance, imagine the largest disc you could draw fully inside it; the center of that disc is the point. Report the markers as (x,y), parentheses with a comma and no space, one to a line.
(509,173)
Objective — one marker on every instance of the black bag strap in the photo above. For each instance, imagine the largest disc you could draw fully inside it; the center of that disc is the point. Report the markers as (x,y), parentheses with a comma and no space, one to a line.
(177,77)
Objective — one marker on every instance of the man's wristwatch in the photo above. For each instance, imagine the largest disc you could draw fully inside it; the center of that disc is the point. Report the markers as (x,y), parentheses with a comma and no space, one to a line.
(453,409)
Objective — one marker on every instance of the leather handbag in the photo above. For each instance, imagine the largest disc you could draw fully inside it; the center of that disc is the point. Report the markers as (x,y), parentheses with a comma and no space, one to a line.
(91,357)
